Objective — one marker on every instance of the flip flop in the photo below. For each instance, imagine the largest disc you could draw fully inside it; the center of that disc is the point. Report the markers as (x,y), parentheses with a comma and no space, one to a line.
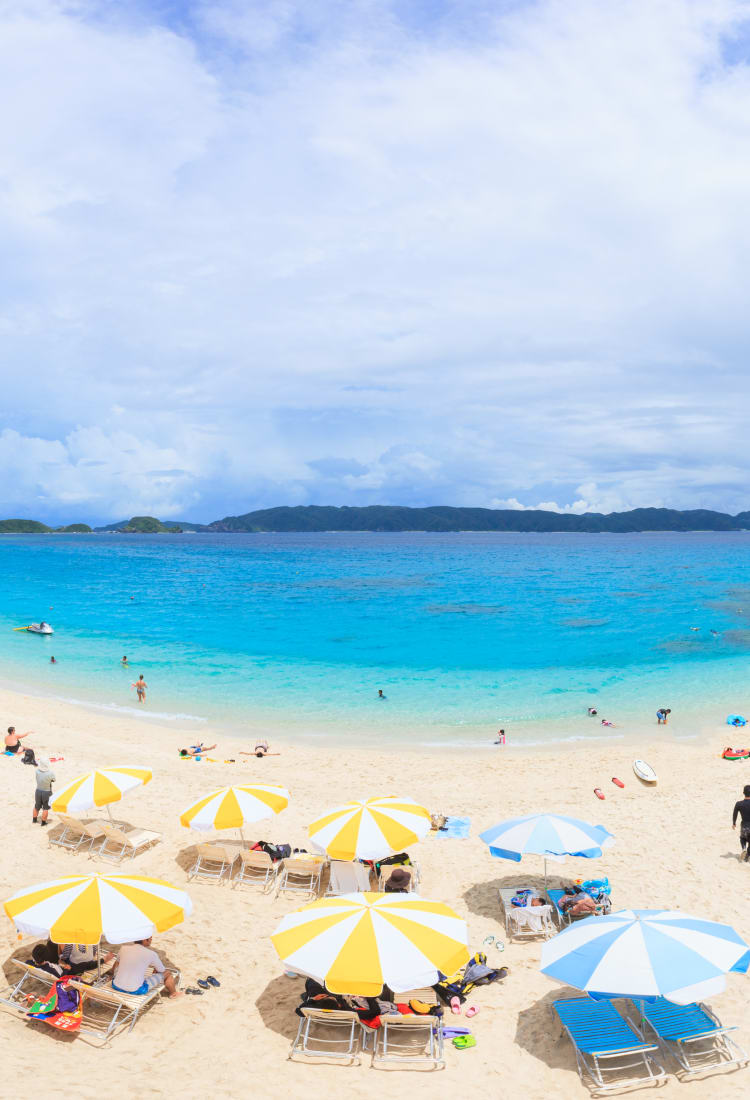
(213,981)
(488,941)
(617,782)
(455,1006)
(472,1011)
(195,992)
(499,945)
(203,984)
(599,793)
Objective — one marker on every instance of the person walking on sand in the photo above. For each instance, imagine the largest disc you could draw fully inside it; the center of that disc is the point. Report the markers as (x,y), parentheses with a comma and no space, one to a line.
(45,777)
(742,810)
(140,686)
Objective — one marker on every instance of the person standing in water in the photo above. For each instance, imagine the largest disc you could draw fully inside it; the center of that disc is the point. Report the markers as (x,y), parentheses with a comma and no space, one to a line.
(124,661)
(500,737)
(662,716)
(140,686)
(380,694)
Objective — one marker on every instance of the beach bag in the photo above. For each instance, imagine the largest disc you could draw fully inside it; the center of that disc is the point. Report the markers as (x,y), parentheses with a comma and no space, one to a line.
(521,899)
(28,757)
(596,886)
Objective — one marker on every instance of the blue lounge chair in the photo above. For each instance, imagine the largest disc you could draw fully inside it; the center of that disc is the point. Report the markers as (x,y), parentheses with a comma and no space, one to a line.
(599,1035)
(691,1034)
(555,897)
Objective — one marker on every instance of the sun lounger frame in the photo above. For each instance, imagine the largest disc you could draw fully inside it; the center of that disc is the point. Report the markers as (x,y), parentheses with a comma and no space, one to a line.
(300,876)
(359,873)
(412,868)
(256,867)
(142,839)
(610,1056)
(720,1051)
(310,1044)
(88,832)
(511,930)
(556,896)
(210,867)
(392,1044)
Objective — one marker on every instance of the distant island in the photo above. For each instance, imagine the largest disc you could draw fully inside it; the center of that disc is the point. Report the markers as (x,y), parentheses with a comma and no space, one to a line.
(387,518)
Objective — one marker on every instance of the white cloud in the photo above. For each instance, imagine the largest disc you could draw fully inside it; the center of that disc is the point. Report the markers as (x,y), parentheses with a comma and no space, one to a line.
(499,255)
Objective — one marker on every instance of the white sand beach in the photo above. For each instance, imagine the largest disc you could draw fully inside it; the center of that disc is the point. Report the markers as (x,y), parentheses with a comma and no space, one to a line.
(675,848)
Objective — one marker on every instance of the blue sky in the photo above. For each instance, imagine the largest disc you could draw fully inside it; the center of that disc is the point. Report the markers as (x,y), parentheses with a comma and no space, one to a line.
(353,252)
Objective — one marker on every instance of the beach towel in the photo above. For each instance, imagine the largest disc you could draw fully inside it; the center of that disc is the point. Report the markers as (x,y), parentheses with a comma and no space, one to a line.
(61,1008)
(455,827)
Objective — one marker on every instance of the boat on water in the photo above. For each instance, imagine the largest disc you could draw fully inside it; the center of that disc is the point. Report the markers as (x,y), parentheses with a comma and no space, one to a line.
(40,628)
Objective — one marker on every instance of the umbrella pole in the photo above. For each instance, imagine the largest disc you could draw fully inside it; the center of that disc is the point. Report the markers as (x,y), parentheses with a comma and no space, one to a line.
(545,874)
(110,814)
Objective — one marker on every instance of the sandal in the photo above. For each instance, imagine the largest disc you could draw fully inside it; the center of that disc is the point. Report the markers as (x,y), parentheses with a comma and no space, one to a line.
(203,983)
(488,941)
(455,1006)
(472,1011)
(213,981)
(195,992)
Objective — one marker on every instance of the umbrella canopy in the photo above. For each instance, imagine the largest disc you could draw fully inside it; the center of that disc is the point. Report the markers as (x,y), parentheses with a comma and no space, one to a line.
(233,807)
(546,835)
(99,787)
(645,953)
(85,908)
(357,943)
(373,829)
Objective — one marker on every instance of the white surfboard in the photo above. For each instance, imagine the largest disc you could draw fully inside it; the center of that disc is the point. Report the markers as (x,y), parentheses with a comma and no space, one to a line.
(644,771)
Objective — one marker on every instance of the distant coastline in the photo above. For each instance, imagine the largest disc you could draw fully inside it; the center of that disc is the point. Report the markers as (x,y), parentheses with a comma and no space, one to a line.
(305,519)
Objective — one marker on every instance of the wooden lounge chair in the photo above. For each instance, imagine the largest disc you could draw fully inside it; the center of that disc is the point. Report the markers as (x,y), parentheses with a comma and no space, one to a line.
(409,1040)
(77,834)
(386,870)
(328,1033)
(691,1034)
(538,924)
(256,867)
(348,877)
(300,876)
(106,1010)
(31,977)
(607,1046)
(118,843)
(212,862)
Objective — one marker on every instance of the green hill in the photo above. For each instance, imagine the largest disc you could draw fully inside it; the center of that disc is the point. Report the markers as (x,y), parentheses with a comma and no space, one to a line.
(443,518)
(23,527)
(75,529)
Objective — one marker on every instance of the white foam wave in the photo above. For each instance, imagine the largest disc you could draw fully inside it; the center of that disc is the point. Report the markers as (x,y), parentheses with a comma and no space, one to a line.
(162,716)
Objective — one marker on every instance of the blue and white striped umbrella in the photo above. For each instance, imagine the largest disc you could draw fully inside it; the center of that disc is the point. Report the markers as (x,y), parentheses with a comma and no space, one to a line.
(546,835)
(646,953)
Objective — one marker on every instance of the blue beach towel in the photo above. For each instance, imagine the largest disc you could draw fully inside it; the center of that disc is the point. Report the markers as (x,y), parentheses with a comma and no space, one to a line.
(455,827)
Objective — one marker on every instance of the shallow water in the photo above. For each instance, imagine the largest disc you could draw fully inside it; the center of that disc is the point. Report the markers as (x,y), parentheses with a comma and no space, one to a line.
(463,632)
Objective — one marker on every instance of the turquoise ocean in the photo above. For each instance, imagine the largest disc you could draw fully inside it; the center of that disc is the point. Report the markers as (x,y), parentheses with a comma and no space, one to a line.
(464,633)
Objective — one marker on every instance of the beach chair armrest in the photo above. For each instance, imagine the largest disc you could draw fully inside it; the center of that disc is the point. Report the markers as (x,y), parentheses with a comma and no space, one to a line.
(708,1034)
(637,1048)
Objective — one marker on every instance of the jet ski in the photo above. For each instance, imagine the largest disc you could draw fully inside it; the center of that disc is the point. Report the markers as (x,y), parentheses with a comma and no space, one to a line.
(40,628)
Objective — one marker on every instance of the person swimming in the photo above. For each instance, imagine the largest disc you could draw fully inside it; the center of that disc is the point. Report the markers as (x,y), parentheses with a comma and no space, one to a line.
(380,694)
(124,661)
(592,712)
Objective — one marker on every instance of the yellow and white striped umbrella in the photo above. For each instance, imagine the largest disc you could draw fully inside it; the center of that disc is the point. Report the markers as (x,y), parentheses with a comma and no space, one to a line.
(358,943)
(373,829)
(85,908)
(233,807)
(98,788)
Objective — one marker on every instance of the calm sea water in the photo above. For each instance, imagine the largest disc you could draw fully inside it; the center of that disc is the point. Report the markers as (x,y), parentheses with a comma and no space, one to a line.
(463,633)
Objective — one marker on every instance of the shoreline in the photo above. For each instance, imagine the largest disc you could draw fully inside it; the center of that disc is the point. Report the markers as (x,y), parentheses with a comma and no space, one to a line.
(686,729)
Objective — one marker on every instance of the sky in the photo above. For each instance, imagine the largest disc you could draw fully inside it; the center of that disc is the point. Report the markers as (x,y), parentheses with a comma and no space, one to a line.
(262,252)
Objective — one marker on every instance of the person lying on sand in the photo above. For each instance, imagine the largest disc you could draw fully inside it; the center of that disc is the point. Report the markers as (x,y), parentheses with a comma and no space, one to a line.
(13,740)
(197,750)
(139,969)
(261,749)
